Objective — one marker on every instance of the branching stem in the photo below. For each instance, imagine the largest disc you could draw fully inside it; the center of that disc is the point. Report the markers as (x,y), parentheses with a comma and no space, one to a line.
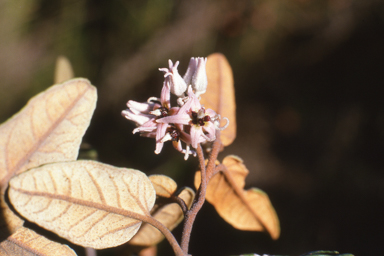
(199,200)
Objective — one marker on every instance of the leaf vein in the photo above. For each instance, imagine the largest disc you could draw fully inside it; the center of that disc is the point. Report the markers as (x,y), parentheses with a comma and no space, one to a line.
(94,224)
(97,185)
(121,228)
(136,199)
(81,219)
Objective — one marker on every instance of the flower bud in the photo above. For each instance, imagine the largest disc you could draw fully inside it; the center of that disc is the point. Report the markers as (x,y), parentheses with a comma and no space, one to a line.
(196,75)
(199,78)
(176,82)
(190,71)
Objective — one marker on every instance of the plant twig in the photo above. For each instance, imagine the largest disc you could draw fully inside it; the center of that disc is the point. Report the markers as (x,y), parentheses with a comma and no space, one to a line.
(199,200)
(180,202)
(219,168)
(90,251)
(167,233)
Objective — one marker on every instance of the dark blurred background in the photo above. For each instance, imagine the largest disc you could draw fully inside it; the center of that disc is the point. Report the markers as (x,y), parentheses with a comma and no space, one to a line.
(309,89)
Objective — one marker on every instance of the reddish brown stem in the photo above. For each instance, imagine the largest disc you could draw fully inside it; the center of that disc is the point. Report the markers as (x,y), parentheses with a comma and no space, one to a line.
(180,202)
(90,251)
(168,235)
(199,200)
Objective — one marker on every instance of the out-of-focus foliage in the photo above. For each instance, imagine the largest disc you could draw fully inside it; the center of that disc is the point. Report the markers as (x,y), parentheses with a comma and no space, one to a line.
(220,95)
(308,81)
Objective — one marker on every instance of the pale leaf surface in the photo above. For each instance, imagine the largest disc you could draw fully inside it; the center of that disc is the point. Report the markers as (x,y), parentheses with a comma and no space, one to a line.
(63,70)
(89,203)
(25,242)
(220,94)
(169,215)
(244,209)
(163,185)
(48,129)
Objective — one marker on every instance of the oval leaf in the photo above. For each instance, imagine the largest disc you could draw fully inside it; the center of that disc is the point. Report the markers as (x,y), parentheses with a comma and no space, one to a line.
(169,215)
(220,94)
(63,70)
(26,242)
(48,129)
(89,203)
(244,209)
(163,185)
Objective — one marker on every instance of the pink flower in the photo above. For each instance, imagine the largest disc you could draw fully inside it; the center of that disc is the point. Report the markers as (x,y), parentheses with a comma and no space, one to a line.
(198,120)
(190,123)
(145,115)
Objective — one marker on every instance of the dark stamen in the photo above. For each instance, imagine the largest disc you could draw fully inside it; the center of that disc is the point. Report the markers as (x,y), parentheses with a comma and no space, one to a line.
(198,118)
(164,111)
(207,118)
(175,134)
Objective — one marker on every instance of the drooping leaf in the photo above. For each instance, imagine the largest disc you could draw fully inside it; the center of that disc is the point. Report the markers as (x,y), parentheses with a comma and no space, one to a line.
(244,209)
(220,94)
(63,70)
(163,185)
(48,129)
(25,242)
(89,203)
(170,215)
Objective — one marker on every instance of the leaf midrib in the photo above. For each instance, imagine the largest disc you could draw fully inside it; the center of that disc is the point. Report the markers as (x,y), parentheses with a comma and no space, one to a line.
(81,202)
(40,142)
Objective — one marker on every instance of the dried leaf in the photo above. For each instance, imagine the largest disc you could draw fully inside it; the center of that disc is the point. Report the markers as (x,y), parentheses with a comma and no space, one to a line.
(148,251)
(48,129)
(169,215)
(89,203)
(63,70)
(244,209)
(25,242)
(163,185)
(220,94)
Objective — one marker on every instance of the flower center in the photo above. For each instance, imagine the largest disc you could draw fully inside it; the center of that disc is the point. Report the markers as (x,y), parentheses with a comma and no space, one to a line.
(163,112)
(199,118)
(175,134)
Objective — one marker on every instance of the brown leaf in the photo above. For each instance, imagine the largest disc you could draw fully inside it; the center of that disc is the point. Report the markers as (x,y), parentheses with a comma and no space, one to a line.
(48,129)
(89,203)
(169,215)
(163,185)
(244,209)
(63,70)
(148,251)
(25,242)
(220,94)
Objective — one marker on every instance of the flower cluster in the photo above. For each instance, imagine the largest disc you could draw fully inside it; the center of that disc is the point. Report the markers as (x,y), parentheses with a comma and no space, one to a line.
(188,122)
